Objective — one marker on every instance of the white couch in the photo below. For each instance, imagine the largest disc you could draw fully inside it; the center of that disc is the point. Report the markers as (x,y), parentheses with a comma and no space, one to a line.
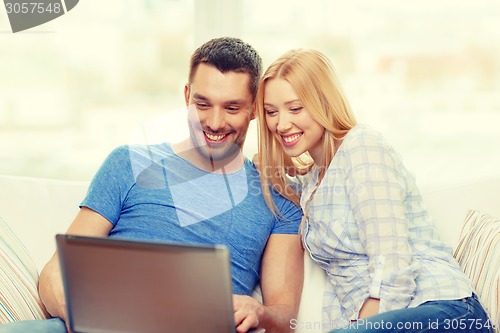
(37,209)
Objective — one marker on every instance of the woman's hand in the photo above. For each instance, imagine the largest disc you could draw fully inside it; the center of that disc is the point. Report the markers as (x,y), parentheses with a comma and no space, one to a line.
(369,308)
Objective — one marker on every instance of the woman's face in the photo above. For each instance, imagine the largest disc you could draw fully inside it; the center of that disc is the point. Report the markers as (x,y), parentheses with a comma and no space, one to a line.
(290,122)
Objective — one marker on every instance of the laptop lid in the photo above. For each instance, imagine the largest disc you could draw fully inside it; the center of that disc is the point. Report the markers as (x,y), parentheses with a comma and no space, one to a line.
(115,285)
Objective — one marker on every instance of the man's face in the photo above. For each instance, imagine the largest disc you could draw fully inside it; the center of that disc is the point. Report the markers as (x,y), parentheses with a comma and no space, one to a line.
(220,109)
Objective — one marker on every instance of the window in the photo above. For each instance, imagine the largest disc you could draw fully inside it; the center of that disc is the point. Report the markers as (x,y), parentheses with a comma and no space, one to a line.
(426,73)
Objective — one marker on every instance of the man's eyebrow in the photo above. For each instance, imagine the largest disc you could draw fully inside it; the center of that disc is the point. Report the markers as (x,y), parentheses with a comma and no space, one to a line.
(199,97)
(232,101)
(236,101)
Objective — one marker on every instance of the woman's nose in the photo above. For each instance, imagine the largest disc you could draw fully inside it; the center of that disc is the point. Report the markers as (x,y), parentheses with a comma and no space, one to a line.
(284,123)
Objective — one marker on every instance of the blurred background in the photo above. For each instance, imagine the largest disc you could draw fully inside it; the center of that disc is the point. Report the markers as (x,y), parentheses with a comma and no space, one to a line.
(426,73)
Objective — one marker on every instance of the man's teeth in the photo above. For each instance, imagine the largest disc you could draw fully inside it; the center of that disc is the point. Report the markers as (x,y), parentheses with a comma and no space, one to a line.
(291,138)
(215,137)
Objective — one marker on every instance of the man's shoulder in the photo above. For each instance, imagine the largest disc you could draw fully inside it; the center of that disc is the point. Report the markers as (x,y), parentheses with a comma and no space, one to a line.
(146,150)
(252,169)
(152,151)
(136,157)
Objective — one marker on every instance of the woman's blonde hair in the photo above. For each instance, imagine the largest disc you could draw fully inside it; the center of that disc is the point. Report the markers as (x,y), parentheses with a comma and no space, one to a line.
(315,82)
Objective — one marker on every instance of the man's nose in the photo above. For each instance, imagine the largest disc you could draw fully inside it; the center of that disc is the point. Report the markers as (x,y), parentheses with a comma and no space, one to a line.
(216,119)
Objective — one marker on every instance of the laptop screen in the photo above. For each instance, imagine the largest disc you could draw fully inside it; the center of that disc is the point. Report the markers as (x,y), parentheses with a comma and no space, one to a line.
(115,285)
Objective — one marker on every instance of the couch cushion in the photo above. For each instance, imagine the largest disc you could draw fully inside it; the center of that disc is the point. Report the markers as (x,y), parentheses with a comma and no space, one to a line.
(37,209)
(19,298)
(478,254)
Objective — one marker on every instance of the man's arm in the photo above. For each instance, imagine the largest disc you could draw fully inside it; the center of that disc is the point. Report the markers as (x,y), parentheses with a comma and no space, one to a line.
(281,283)
(50,287)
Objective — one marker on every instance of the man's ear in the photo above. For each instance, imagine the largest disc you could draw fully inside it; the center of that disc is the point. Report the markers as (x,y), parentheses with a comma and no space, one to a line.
(253,111)
(186,94)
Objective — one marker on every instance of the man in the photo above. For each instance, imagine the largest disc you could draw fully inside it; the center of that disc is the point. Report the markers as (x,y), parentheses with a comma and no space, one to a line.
(201,190)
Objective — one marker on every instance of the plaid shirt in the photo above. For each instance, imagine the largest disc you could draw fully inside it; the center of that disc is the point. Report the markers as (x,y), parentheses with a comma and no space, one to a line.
(369,230)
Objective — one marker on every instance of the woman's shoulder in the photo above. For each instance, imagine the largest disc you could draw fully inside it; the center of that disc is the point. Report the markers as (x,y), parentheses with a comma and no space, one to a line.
(363,133)
(363,137)
(363,143)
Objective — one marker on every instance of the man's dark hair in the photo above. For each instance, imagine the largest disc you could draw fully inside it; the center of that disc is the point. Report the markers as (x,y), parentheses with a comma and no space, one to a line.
(229,54)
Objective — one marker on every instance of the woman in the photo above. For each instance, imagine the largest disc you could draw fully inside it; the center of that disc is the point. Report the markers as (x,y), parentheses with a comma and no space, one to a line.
(364,220)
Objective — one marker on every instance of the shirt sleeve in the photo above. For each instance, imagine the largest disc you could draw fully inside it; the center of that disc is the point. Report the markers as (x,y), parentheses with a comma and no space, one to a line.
(377,190)
(108,188)
(291,216)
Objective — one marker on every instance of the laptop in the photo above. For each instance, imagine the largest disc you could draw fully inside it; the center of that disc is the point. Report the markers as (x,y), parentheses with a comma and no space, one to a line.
(130,286)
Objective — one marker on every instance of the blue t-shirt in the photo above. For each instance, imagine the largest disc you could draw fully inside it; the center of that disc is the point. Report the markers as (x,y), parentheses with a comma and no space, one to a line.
(150,193)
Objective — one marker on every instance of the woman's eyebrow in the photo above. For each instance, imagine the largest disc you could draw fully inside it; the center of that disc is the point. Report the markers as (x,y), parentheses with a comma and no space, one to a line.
(286,103)
(293,101)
